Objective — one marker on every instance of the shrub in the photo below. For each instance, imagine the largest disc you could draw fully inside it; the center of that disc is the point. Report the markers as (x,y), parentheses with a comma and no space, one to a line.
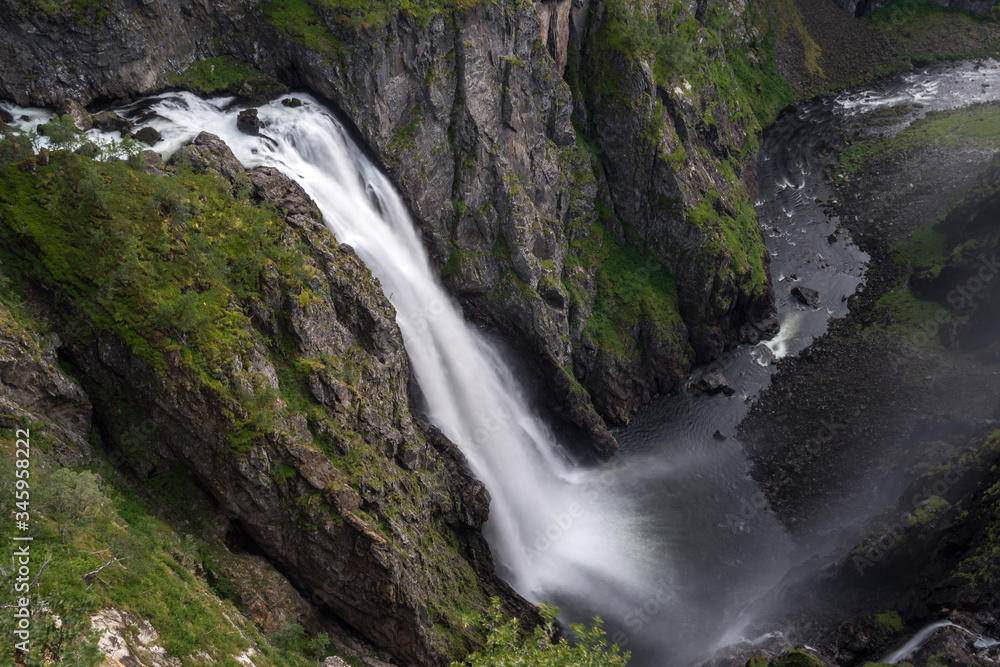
(507,645)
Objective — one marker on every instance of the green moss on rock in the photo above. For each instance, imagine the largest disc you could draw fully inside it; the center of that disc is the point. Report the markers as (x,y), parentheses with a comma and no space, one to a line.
(224,75)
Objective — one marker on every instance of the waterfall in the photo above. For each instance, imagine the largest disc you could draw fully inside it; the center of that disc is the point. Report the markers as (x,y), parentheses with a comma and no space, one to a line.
(916,642)
(539,533)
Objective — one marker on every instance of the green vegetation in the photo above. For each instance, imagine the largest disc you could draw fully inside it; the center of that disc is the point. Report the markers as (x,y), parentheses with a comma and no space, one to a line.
(15,146)
(938,259)
(114,554)
(309,21)
(156,260)
(632,288)
(506,644)
(923,32)
(172,266)
(629,32)
(298,20)
(225,76)
(69,498)
(797,657)
(890,621)
(82,10)
(790,21)
(975,126)
(761,87)
(736,235)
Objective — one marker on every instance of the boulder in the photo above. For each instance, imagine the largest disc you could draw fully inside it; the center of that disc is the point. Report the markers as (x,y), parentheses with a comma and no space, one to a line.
(5,116)
(712,382)
(153,163)
(271,185)
(806,296)
(292,102)
(248,122)
(81,119)
(109,121)
(149,136)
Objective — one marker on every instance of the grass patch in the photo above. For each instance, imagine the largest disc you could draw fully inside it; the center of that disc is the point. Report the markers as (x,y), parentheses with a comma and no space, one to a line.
(225,76)
(154,577)
(890,621)
(632,287)
(763,87)
(306,20)
(161,262)
(790,21)
(82,11)
(975,126)
(298,20)
(736,235)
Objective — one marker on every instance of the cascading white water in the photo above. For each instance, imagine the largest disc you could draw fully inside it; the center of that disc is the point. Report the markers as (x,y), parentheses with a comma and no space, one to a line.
(470,392)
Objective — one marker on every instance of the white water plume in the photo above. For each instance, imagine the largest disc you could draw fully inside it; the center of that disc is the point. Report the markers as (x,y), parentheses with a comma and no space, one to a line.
(543,532)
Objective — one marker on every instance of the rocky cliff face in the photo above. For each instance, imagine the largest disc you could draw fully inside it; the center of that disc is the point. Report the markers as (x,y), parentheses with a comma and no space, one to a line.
(563,172)
(280,382)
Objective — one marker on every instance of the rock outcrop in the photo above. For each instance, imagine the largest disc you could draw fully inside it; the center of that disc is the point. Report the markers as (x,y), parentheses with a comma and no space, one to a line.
(34,389)
(302,428)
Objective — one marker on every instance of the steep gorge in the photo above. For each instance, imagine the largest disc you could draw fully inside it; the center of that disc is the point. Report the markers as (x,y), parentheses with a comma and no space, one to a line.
(583,181)
(570,194)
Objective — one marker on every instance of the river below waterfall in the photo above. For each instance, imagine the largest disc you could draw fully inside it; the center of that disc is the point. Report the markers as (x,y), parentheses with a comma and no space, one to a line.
(672,540)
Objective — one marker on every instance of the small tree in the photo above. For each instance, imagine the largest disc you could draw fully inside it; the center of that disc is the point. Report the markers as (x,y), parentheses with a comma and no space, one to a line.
(69,497)
(506,644)
(62,133)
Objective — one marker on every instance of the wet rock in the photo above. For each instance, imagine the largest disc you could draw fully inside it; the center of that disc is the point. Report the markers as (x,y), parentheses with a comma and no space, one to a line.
(552,295)
(764,329)
(713,382)
(5,116)
(272,186)
(153,162)
(832,238)
(81,119)
(149,136)
(749,333)
(248,123)
(719,435)
(292,102)
(109,121)
(806,296)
